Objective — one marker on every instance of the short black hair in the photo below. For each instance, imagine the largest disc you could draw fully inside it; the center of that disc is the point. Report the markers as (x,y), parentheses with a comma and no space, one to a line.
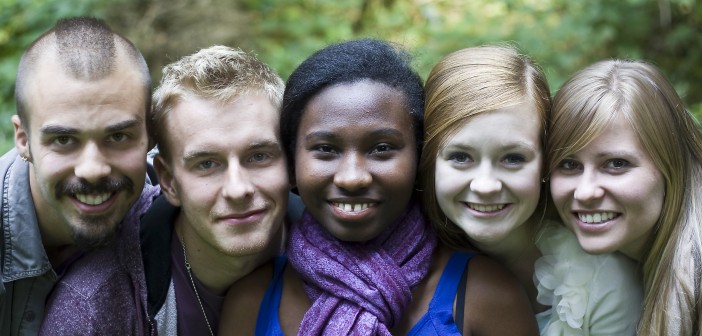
(347,63)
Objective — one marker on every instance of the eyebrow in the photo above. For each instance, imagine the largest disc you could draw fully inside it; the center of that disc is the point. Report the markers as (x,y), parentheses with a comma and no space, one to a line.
(264,144)
(57,129)
(122,125)
(390,132)
(508,147)
(616,153)
(195,154)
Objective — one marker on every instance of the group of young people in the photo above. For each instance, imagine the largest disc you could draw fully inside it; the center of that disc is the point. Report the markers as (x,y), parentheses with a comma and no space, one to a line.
(473,204)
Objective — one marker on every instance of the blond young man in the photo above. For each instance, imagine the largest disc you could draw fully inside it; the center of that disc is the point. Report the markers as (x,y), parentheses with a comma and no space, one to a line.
(224,185)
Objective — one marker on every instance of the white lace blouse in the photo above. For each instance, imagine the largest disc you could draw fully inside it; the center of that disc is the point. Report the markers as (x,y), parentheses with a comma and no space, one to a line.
(588,294)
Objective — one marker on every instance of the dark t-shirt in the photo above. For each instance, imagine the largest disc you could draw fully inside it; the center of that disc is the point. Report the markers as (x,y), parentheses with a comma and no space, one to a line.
(190,316)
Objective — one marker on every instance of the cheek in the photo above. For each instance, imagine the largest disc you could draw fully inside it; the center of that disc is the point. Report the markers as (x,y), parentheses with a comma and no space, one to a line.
(311,173)
(442,183)
(448,184)
(52,168)
(135,167)
(402,176)
(527,184)
(649,194)
(273,182)
(561,189)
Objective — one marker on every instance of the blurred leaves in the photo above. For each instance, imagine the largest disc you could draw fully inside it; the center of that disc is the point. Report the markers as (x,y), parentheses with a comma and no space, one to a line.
(562,35)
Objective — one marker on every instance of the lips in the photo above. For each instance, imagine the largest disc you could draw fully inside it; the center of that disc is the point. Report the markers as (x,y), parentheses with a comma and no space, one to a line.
(248,217)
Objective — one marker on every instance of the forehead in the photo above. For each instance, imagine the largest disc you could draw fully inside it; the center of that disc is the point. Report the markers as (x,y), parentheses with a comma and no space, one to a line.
(54,96)
(197,123)
(357,105)
(519,122)
(618,133)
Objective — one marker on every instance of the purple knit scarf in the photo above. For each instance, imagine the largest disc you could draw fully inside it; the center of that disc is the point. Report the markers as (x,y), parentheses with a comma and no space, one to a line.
(360,288)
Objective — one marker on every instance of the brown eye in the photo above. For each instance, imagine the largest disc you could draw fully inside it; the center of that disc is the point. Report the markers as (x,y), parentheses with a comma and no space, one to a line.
(63,140)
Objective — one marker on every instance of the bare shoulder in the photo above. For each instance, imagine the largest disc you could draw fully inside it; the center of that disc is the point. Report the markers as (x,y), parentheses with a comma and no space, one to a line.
(496,303)
(243,300)
(294,302)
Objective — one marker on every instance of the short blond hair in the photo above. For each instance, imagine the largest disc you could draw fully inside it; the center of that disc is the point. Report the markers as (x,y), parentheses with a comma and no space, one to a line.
(217,73)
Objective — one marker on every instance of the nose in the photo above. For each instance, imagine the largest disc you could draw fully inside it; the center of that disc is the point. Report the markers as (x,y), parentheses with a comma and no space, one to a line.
(485,182)
(588,187)
(92,164)
(352,173)
(238,184)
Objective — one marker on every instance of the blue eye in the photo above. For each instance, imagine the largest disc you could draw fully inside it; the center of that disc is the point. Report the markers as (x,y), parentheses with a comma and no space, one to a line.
(259,157)
(459,157)
(569,164)
(617,163)
(205,165)
(514,159)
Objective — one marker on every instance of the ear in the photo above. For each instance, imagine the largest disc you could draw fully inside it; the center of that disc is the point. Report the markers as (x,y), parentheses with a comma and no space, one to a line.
(165,177)
(21,137)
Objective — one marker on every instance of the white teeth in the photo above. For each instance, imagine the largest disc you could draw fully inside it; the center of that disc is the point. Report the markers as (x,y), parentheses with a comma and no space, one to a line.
(596,217)
(486,208)
(93,199)
(348,207)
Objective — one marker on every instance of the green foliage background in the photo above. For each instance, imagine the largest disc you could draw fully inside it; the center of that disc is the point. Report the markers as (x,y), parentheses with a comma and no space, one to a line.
(562,35)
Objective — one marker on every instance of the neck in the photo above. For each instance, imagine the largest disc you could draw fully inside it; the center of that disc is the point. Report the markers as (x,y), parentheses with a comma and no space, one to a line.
(634,250)
(514,249)
(518,252)
(215,269)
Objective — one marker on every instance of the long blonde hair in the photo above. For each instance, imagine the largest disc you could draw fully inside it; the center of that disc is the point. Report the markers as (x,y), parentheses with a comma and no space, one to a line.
(639,92)
(462,85)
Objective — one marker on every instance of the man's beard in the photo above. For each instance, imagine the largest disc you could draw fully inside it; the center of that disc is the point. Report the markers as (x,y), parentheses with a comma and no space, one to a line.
(100,232)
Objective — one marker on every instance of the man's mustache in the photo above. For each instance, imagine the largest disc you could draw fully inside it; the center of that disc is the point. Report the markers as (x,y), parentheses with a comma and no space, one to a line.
(105,185)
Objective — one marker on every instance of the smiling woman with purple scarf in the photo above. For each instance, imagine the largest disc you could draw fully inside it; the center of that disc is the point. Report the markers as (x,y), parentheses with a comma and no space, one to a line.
(364,259)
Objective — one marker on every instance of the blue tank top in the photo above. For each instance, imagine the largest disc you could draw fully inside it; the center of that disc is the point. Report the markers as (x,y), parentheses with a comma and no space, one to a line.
(268,323)
(439,317)
(437,321)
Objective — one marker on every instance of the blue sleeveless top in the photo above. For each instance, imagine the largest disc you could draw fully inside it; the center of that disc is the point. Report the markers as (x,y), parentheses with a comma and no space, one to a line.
(439,317)
(437,321)
(268,323)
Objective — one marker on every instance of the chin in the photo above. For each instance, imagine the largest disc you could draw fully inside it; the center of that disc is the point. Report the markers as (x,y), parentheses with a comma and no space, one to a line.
(597,249)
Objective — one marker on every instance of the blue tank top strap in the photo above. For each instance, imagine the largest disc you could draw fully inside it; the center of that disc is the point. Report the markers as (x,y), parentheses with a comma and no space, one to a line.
(438,319)
(446,290)
(268,323)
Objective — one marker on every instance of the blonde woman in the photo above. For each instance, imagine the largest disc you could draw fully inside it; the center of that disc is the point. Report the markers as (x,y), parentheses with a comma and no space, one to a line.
(482,176)
(626,176)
